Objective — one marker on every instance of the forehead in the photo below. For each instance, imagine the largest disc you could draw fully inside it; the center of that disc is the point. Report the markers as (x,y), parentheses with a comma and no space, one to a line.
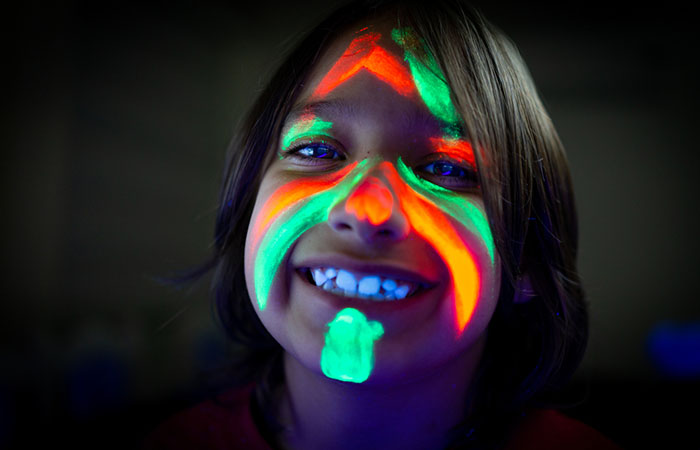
(387,69)
(362,46)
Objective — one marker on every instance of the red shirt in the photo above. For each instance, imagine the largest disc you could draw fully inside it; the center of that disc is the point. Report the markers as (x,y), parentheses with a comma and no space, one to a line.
(228,425)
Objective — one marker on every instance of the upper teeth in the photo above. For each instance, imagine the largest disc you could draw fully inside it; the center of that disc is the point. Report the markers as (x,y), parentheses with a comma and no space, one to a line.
(344,282)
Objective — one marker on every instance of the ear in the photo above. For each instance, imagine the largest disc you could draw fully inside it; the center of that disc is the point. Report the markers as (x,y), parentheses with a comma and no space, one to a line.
(523,290)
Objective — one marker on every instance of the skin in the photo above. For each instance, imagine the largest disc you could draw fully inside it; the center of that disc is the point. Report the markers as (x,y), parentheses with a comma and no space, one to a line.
(382,208)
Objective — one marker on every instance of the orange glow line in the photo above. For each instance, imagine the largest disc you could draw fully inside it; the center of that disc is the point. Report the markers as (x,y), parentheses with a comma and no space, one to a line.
(434,226)
(371,200)
(364,53)
(455,148)
(290,194)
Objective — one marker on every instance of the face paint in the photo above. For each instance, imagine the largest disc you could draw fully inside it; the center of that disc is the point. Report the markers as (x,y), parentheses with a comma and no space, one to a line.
(429,79)
(371,200)
(452,203)
(348,352)
(429,221)
(289,212)
(364,53)
(307,125)
(458,149)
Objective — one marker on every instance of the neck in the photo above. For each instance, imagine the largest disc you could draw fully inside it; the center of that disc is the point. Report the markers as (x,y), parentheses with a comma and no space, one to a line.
(325,413)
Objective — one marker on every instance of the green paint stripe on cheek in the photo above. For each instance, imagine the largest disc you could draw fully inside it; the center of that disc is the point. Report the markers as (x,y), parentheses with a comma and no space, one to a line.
(459,208)
(291,224)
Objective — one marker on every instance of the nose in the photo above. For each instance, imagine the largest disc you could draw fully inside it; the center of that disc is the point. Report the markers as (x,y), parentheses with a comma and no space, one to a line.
(371,213)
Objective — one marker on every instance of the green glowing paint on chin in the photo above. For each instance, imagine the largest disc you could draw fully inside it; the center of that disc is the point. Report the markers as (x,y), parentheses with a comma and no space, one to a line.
(348,353)
(458,207)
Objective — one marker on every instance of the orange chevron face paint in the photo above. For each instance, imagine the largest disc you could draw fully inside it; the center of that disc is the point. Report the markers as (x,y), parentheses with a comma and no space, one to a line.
(364,53)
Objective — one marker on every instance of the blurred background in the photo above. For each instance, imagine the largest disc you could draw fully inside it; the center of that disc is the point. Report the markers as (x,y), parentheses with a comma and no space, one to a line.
(118,121)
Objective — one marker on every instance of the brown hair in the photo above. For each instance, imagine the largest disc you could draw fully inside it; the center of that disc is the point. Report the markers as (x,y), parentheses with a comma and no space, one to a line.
(533,347)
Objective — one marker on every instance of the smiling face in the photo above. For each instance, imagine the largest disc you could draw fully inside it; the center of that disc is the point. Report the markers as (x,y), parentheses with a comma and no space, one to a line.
(372,215)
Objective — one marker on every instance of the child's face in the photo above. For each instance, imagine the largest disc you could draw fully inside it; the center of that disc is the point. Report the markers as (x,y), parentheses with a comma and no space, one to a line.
(374,197)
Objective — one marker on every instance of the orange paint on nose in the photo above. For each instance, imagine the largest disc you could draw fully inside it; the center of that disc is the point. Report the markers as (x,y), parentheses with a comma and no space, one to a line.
(372,201)
(364,53)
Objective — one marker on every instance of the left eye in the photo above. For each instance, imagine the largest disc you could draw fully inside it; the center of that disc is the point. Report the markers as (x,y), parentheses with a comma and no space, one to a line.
(444,169)
(450,175)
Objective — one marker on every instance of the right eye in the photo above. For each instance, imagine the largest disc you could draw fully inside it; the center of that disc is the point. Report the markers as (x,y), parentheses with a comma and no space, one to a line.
(313,153)
(317,151)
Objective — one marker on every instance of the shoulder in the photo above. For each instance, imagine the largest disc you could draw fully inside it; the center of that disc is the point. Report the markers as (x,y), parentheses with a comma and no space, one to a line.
(544,429)
(224,422)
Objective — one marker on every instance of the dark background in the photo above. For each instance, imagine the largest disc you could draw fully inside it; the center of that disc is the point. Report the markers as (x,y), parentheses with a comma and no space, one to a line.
(118,119)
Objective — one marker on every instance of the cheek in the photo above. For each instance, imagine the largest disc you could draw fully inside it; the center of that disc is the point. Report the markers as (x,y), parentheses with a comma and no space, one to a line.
(281,215)
(465,251)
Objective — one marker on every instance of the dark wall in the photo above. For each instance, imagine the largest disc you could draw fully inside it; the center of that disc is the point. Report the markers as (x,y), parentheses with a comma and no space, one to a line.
(118,120)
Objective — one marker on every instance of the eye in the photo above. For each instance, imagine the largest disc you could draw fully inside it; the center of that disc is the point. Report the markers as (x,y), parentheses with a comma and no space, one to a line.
(313,154)
(444,168)
(449,175)
(317,151)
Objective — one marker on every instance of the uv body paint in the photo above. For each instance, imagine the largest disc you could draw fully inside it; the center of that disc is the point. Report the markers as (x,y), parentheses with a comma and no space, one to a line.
(308,125)
(364,53)
(289,212)
(427,208)
(348,351)
(429,80)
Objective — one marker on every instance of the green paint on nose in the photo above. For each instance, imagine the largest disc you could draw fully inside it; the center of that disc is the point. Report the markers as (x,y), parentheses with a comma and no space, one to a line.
(348,354)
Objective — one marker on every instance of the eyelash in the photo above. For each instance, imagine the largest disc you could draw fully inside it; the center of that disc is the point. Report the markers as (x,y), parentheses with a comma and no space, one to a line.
(466,179)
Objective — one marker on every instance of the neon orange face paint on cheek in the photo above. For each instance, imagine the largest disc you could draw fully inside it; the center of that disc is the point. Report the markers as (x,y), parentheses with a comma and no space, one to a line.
(431,223)
(371,200)
(364,53)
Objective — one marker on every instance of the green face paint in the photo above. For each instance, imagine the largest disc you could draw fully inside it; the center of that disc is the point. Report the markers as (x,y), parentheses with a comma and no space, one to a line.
(429,79)
(294,221)
(308,125)
(459,208)
(348,353)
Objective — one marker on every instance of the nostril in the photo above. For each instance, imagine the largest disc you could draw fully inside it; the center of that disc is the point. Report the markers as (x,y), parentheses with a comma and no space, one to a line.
(385,233)
(340,226)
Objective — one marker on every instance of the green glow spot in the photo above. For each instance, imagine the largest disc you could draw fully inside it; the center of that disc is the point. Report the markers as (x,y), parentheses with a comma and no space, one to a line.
(348,354)
(455,205)
(307,126)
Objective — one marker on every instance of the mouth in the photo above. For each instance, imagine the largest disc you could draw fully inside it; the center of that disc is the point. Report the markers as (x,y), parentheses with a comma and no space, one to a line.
(367,286)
